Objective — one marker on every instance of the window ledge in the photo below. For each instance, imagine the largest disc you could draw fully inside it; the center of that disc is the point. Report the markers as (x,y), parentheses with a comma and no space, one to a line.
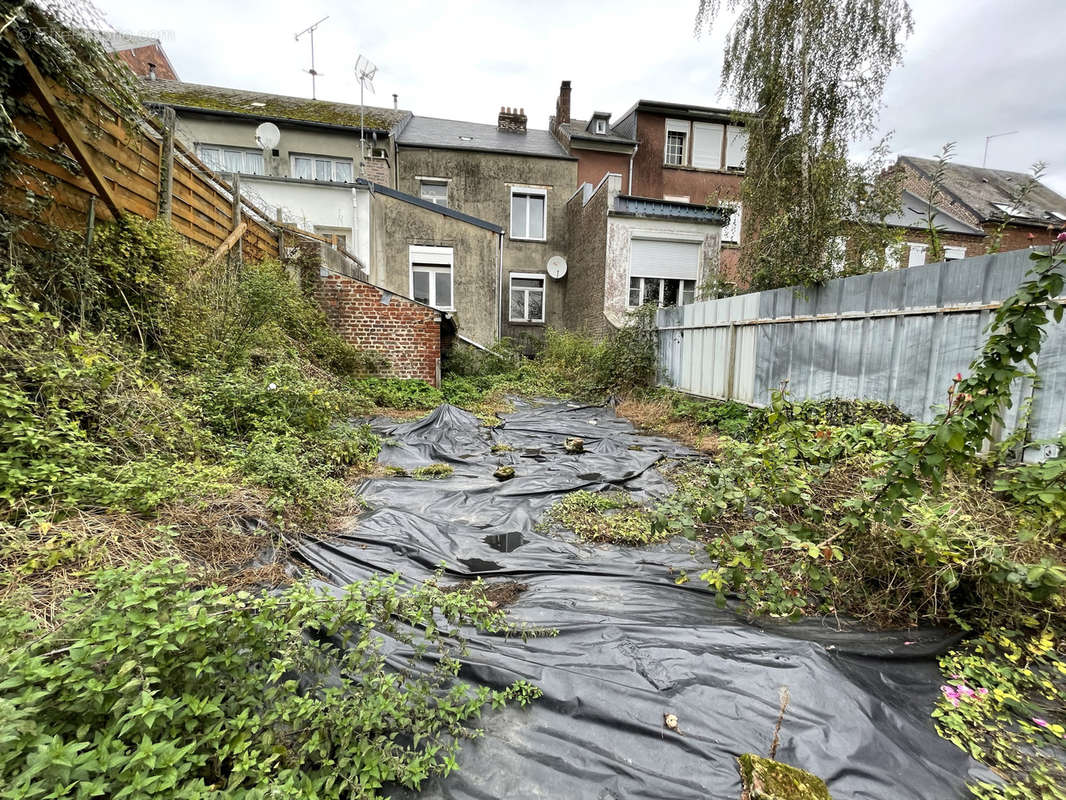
(687,168)
(525,323)
(526,239)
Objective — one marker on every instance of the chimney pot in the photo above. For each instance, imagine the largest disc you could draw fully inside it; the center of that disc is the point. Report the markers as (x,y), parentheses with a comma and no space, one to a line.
(512,119)
(395,101)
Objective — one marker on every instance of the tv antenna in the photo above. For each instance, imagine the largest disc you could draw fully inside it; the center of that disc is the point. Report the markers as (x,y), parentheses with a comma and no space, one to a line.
(364,72)
(312,72)
(984,160)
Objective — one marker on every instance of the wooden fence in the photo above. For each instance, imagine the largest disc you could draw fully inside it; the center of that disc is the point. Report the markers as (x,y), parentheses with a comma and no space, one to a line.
(82,162)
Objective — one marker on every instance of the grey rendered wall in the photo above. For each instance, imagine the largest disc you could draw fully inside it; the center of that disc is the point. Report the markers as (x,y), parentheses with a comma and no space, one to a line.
(898,337)
(480,185)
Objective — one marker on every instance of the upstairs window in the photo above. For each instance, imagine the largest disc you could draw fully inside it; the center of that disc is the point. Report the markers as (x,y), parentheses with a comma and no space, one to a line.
(731,231)
(434,191)
(232,159)
(675,148)
(954,253)
(527,298)
(431,276)
(601,126)
(326,169)
(529,209)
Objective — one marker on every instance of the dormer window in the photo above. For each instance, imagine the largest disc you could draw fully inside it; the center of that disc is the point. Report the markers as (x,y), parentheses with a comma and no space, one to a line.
(601,126)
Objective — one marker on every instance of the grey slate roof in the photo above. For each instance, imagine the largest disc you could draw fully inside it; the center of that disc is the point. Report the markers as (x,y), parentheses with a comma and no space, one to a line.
(263,106)
(913,214)
(579,129)
(978,188)
(454,134)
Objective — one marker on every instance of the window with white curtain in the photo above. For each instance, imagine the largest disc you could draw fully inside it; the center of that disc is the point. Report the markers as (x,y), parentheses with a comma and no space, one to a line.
(529,213)
(736,147)
(526,298)
(322,168)
(434,191)
(231,159)
(731,231)
(431,276)
(916,253)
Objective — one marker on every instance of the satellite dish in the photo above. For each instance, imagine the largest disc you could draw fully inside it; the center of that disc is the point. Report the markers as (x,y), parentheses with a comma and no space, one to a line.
(556,267)
(267,135)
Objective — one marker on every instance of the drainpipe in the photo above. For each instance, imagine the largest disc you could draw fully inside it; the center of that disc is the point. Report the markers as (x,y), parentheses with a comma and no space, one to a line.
(632,155)
(499,290)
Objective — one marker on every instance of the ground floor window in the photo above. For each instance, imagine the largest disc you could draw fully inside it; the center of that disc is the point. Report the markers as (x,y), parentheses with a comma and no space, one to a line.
(662,292)
(431,276)
(527,298)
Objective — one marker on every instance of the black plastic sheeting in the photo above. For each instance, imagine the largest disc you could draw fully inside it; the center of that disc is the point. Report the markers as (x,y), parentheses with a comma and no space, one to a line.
(632,645)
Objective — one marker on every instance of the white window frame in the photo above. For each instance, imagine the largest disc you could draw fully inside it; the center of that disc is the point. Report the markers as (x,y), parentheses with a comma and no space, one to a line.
(685,129)
(954,252)
(735,221)
(662,290)
(913,247)
(223,149)
(601,126)
(334,161)
(332,233)
(433,260)
(445,182)
(731,133)
(676,198)
(525,300)
(527,191)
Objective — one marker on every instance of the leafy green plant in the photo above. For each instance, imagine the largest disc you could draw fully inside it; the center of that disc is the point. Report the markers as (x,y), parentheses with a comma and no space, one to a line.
(432,472)
(398,393)
(154,687)
(610,517)
(1004,703)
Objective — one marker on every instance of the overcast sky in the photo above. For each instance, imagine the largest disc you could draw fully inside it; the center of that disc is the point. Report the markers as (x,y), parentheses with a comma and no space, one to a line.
(971,69)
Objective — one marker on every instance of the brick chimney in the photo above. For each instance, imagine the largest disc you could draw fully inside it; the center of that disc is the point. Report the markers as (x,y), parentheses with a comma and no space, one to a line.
(562,104)
(512,120)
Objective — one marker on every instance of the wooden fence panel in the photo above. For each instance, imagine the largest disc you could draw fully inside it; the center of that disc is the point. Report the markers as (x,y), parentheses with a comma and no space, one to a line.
(49,188)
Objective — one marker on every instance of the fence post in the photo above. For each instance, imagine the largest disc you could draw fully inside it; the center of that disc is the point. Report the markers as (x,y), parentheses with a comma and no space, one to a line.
(731,366)
(166,164)
(237,214)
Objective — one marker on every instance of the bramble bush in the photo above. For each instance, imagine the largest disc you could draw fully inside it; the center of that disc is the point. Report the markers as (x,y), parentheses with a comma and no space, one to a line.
(155,687)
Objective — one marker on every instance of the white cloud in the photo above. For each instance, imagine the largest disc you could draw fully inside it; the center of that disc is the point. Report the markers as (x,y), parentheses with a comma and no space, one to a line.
(972,68)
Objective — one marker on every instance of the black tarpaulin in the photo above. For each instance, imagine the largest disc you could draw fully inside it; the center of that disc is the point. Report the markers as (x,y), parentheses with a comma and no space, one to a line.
(632,645)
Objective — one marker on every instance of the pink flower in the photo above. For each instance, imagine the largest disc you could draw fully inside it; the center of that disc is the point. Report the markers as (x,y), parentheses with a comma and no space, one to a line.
(958,377)
(982,691)
(1041,722)
(1061,237)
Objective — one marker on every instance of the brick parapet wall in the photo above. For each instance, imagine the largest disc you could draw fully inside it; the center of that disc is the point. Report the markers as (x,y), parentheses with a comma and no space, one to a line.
(405,333)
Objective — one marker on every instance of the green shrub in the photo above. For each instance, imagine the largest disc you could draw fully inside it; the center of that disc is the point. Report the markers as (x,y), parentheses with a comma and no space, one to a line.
(153,687)
(398,393)
(611,517)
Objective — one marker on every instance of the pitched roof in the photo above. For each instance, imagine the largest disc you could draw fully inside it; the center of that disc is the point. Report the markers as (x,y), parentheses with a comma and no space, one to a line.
(451,134)
(914,212)
(426,204)
(980,190)
(259,105)
(114,41)
(579,129)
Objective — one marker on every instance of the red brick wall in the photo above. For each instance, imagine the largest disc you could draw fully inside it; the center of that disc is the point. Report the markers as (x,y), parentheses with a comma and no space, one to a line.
(405,333)
(592,165)
(652,178)
(140,57)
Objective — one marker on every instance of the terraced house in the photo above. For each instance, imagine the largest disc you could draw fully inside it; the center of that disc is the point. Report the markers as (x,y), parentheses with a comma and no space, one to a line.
(507,175)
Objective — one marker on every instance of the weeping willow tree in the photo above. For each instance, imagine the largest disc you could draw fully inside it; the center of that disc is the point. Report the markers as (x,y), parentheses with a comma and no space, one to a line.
(815,71)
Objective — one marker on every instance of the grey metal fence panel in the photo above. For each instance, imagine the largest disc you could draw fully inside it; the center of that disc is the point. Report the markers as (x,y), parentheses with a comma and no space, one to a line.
(898,337)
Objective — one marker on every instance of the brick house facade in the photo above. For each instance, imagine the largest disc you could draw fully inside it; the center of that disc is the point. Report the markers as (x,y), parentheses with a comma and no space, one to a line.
(984,198)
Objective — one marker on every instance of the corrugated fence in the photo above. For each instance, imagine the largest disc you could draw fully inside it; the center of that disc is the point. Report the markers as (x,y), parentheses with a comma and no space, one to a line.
(898,337)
